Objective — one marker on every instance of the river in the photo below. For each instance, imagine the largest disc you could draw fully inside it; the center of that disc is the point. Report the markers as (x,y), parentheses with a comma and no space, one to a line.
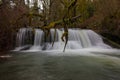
(45,66)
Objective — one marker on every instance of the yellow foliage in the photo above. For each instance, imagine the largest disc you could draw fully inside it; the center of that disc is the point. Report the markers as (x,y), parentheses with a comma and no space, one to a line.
(52,24)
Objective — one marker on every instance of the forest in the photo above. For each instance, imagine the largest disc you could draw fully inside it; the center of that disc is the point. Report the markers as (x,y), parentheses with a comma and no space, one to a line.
(102,16)
(59,39)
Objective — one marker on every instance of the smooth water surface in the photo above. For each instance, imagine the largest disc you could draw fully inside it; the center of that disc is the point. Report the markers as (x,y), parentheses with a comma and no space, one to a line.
(42,66)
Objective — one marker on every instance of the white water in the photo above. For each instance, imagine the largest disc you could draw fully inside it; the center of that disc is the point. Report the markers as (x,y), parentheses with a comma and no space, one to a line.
(23,36)
(37,40)
(84,41)
(96,40)
(20,37)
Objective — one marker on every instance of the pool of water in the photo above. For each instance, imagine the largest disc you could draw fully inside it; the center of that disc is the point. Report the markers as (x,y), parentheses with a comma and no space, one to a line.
(42,66)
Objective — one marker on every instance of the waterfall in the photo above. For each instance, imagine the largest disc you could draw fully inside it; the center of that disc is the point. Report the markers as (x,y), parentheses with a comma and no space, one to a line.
(58,44)
(77,39)
(20,37)
(38,37)
(37,40)
(24,39)
(96,40)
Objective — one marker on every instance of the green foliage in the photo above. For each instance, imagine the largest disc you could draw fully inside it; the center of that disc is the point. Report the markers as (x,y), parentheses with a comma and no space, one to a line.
(90,10)
(86,9)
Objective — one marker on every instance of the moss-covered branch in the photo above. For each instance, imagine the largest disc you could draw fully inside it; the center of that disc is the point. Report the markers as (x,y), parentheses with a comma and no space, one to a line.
(65,23)
(53,24)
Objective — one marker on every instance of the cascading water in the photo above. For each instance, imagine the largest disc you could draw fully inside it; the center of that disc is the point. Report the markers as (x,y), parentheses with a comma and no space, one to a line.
(24,39)
(38,37)
(37,40)
(96,40)
(77,39)
(58,44)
